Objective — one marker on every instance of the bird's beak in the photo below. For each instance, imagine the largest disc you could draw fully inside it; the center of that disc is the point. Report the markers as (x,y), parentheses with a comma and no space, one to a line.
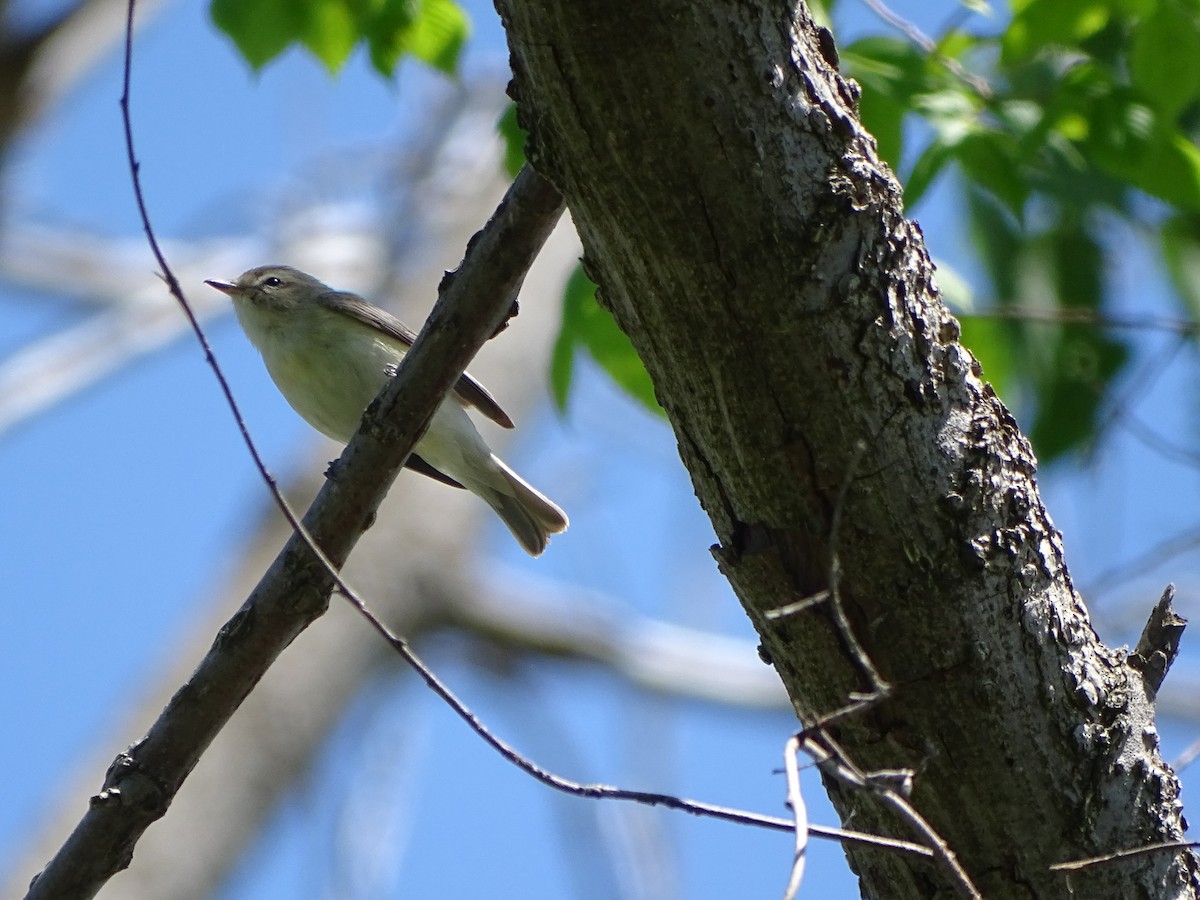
(223,286)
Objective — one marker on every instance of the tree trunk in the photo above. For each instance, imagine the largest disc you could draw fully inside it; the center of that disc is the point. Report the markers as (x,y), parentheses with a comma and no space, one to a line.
(748,239)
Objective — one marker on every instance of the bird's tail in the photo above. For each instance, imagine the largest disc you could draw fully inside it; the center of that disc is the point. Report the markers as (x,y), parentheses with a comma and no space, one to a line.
(530,515)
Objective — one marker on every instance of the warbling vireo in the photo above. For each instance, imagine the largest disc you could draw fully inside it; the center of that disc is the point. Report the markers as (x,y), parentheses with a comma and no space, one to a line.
(330,353)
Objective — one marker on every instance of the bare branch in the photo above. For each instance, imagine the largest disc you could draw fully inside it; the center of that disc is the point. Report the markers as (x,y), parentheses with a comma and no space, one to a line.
(1080,864)
(1067,316)
(562,620)
(795,800)
(930,46)
(1159,644)
(132,321)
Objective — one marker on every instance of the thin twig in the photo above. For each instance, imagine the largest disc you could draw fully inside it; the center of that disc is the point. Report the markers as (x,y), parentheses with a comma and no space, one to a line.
(604,791)
(798,606)
(1161,446)
(1187,757)
(1084,317)
(834,762)
(879,688)
(929,45)
(868,840)
(1078,864)
(795,799)
(1146,562)
(173,287)
(1139,385)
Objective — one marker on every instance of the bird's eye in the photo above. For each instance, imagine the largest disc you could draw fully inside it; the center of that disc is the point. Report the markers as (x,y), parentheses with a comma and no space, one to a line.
(272,282)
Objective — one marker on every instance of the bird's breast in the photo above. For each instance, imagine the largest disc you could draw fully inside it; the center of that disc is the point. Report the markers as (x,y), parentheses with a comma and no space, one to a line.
(329,370)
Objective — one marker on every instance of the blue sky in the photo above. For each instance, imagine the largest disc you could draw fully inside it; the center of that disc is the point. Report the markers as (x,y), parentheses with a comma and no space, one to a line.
(123,507)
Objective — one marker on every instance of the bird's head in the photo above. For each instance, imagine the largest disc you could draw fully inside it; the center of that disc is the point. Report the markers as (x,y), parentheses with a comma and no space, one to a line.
(279,288)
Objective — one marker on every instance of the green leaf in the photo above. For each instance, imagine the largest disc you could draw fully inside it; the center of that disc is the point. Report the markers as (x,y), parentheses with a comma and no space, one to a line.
(954,43)
(1134,8)
(434,31)
(887,64)
(954,289)
(997,239)
(579,291)
(1164,60)
(1040,23)
(440,32)
(993,342)
(1167,168)
(1122,132)
(822,12)
(385,30)
(1084,363)
(891,72)
(883,117)
(589,326)
(990,159)
(330,31)
(562,366)
(927,167)
(1172,173)
(1071,102)
(514,137)
(261,29)
(1071,366)
(1122,136)
(1180,238)
(1078,264)
(951,111)
(898,78)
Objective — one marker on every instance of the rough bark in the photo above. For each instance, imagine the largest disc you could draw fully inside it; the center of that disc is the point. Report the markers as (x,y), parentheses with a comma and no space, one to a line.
(746,236)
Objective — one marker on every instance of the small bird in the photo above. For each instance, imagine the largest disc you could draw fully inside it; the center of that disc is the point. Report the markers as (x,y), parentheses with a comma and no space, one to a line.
(330,353)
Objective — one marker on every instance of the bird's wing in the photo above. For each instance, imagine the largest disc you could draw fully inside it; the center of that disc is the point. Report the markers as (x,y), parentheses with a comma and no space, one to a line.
(468,391)
(418,464)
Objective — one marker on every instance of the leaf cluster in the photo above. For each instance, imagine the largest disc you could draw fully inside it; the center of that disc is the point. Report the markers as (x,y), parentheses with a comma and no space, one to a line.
(432,31)
(1070,126)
